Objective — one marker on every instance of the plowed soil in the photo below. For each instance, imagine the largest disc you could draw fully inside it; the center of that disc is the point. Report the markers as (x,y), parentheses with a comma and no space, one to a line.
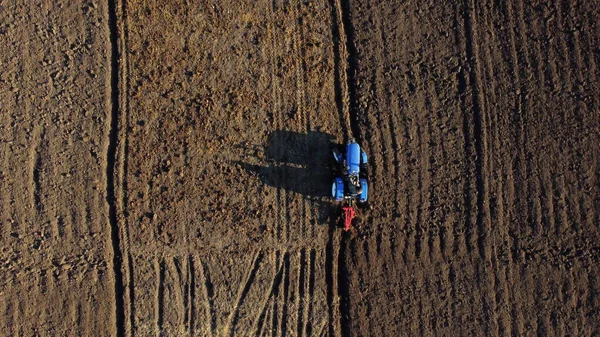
(166,168)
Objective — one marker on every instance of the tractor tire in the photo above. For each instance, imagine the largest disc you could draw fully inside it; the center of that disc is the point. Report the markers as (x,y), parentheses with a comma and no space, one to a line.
(337,189)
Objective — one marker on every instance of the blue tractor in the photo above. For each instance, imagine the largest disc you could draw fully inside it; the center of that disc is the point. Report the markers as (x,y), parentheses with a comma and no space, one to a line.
(352,185)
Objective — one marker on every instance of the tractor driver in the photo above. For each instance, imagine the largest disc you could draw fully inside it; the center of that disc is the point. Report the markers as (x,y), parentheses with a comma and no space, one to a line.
(354,187)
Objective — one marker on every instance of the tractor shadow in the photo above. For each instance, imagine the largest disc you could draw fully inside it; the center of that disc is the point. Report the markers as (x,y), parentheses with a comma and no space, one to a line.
(296,162)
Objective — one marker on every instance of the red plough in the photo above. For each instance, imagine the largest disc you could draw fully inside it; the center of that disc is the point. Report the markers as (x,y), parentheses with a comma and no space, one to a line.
(348,216)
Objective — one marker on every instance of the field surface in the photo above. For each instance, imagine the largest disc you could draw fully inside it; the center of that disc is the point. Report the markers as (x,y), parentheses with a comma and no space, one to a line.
(166,168)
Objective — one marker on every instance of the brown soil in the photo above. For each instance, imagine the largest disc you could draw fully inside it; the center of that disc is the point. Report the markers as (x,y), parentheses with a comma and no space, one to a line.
(166,168)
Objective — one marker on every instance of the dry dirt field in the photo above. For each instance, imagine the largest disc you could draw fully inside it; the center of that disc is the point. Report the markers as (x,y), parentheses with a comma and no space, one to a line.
(166,168)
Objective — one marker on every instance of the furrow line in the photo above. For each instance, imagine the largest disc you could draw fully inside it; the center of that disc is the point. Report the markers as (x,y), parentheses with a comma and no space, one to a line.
(160,296)
(111,153)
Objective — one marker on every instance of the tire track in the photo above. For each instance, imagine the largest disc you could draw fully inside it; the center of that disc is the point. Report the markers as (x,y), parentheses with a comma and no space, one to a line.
(493,297)
(468,146)
(585,121)
(500,232)
(301,97)
(209,294)
(179,292)
(280,303)
(479,122)
(24,106)
(285,294)
(243,293)
(393,104)
(285,194)
(425,175)
(258,326)
(438,206)
(301,293)
(521,167)
(516,313)
(131,286)
(311,292)
(513,201)
(307,107)
(559,188)
(75,314)
(451,277)
(558,325)
(111,161)
(533,134)
(191,279)
(7,311)
(552,79)
(276,108)
(275,309)
(542,319)
(594,86)
(123,132)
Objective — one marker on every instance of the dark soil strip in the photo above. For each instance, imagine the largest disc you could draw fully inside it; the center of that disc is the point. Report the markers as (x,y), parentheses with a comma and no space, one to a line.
(339,93)
(329,276)
(477,118)
(351,69)
(161,297)
(110,169)
(343,288)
